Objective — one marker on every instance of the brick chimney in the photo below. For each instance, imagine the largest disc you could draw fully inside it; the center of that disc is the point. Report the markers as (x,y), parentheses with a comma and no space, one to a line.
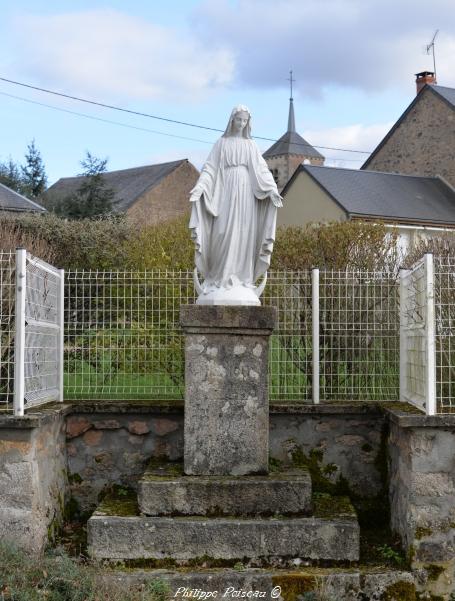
(423,78)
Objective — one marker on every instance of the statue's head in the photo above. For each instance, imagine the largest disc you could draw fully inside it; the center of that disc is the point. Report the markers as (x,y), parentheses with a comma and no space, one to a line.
(240,120)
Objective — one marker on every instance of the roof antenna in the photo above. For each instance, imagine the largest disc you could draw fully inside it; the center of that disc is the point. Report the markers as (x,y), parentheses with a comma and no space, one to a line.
(429,48)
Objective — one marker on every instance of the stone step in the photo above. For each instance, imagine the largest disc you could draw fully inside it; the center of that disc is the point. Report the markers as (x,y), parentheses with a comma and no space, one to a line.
(165,491)
(365,584)
(115,534)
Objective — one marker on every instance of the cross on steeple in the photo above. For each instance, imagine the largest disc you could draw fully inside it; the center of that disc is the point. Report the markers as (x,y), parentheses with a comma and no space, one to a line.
(291,118)
(291,80)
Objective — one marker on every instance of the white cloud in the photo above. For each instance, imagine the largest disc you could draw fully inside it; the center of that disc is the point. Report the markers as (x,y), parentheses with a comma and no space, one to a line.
(351,137)
(109,52)
(368,45)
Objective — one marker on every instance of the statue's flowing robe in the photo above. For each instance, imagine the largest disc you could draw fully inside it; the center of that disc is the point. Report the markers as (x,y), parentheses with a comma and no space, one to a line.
(233,221)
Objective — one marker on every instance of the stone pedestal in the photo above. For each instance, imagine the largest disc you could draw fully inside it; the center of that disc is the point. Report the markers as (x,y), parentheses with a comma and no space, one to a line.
(226,395)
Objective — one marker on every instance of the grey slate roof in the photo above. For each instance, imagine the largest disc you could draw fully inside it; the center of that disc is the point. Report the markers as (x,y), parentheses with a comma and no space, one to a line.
(447,94)
(13,201)
(127,184)
(291,142)
(388,196)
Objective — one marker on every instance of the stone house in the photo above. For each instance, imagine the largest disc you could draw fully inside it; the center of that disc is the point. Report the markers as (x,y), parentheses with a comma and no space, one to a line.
(422,141)
(289,151)
(149,194)
(417,206)
(13,202)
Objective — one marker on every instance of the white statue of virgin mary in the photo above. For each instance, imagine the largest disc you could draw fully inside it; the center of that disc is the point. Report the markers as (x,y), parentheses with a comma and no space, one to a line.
(233,218)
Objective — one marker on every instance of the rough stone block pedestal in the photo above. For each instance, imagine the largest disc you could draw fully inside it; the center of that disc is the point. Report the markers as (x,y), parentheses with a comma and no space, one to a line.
(226,399)
(165,491)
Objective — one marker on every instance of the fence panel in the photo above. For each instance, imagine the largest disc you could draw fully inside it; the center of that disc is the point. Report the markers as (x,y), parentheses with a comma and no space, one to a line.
(122,338)
(359,342)
(7,328)
(417,357)
(444,273)
(43,348)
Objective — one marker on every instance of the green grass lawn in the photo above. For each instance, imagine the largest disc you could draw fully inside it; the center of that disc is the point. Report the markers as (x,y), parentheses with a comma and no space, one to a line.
(373,376)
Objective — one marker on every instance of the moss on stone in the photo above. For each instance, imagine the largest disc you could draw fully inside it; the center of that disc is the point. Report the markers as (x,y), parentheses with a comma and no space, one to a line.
(161,468)
(400,591)
(434,571)
(293,585)
(327,506)
(398,406)
(321,483)
(74,478)
(275,465)
(120,502)
(421,532)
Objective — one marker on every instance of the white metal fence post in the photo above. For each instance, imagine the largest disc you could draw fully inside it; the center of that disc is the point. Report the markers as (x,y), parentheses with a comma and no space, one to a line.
(19,338)
(404,273)
(315,332)
(430,331)
(61,334)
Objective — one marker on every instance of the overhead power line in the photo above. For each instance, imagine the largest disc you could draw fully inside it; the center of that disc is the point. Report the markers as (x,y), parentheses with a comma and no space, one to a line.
(166,119)
(129,126)
(57,108)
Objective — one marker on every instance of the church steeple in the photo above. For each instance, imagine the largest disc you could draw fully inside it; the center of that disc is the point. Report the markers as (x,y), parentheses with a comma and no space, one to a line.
(290,150)
(291,118)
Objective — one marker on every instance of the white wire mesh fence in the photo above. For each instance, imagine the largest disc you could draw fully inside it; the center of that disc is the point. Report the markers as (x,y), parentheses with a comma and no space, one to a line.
(359,335)
(7,328)
(337,336)
(444,287)
(123,339)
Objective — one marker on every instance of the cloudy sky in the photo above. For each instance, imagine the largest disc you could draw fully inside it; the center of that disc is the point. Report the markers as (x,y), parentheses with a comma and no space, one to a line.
(192,60)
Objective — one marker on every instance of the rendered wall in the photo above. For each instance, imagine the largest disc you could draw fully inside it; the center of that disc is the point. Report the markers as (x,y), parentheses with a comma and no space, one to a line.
(306,202)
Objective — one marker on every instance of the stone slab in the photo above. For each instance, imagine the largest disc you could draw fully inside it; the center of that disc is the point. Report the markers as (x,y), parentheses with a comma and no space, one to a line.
(184,538)
(242,320)
(335,584)
(128,536)
(162,492)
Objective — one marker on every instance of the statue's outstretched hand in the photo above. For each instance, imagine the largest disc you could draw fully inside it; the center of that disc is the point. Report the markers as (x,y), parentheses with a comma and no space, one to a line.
(276,199)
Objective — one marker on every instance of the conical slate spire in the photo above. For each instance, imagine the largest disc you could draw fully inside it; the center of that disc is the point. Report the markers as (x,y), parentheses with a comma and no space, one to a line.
(291,118)
(291,142)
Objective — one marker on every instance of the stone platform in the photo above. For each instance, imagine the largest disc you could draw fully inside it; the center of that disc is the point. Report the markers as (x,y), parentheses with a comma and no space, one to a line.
(129,537)
(165,491)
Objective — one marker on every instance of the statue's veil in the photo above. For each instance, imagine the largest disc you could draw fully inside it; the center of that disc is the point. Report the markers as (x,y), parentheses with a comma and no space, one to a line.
(247,129)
